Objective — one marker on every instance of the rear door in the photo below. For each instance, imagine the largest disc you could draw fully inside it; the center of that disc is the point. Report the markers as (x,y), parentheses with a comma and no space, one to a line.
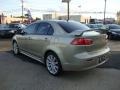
(39,42)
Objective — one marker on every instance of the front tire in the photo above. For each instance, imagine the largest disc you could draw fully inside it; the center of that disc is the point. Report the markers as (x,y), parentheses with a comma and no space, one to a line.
(53,64)
(15,48)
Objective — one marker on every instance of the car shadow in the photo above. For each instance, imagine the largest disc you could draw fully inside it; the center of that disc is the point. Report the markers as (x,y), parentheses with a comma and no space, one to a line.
(113,63)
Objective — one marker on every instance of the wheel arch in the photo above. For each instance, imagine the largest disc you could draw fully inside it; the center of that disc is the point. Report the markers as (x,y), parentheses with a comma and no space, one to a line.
(48,51)
(56,52)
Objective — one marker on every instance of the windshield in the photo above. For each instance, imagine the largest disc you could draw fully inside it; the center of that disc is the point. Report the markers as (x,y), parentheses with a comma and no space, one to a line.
(3,26)
(13,26)
(72,26)
(93,26)
(114,27)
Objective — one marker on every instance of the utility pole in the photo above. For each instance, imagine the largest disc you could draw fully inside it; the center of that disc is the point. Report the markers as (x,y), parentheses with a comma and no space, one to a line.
(22,9)
(68,8)
(104,11)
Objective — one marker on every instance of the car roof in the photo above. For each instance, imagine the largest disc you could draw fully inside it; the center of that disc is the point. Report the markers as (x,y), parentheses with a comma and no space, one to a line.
(53,21)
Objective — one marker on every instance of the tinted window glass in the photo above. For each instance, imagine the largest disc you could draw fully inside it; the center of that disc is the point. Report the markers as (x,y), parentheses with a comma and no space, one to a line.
(93,26)
(13,26)
(45,29)
(72,26)
(114,27)
(30,29)
(51,30)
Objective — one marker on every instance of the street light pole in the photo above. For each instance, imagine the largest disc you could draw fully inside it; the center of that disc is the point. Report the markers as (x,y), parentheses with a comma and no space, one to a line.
(104,11)
(68,10)
(22,10)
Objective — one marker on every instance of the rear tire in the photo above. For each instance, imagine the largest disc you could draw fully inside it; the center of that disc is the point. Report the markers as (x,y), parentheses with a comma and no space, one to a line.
(15,48)
(53,64)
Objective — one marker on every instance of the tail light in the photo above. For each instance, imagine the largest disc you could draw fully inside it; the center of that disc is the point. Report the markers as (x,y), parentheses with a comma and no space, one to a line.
(82,41)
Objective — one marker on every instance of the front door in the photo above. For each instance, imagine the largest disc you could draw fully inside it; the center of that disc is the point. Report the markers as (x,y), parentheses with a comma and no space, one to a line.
(25,38)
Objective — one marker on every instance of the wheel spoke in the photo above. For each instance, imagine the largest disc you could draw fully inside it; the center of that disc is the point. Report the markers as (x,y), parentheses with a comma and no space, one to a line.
(52,64)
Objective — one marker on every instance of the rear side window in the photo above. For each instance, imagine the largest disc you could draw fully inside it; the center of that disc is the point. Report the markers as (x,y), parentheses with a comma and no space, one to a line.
(72,26)
(45,29)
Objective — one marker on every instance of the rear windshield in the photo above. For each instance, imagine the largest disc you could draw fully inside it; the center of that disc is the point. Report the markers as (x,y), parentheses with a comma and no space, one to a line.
(72,26)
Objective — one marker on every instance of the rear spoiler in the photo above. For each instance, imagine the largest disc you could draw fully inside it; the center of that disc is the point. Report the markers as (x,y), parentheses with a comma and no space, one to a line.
(79,32)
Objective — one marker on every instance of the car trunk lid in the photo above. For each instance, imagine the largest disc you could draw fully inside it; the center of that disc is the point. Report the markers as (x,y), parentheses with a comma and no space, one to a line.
(99,41)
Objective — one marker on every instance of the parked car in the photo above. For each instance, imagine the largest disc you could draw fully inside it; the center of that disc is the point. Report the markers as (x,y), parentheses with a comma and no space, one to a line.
(5,31)
(98,27)
(9,30)
(17,26)
(113,31)
(62,45)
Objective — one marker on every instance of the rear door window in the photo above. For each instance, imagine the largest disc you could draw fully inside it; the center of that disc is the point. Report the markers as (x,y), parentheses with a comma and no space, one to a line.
(45,29)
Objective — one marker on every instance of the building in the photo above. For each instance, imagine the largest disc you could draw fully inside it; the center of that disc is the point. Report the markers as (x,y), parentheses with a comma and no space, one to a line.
(52,16)
(57,16)
(10,19)
(78,18)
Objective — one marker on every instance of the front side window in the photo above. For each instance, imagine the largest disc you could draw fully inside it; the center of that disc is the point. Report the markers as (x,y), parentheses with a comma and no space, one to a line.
(45,29)
(30,29)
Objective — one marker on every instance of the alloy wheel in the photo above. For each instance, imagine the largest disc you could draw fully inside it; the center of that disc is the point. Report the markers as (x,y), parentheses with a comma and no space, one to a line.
(53,64)
(15,48)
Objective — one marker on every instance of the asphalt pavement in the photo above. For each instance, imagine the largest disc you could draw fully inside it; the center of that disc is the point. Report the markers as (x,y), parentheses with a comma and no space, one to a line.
(23,73)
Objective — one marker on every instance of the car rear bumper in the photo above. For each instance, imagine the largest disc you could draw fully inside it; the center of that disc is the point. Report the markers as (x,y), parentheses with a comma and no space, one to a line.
(87,63)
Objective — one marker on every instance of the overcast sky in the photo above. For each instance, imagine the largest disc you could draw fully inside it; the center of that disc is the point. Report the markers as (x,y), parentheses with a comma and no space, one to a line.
(85,5)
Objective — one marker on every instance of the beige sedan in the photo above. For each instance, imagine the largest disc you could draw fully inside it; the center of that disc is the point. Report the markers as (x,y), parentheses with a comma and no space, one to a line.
(62,45)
